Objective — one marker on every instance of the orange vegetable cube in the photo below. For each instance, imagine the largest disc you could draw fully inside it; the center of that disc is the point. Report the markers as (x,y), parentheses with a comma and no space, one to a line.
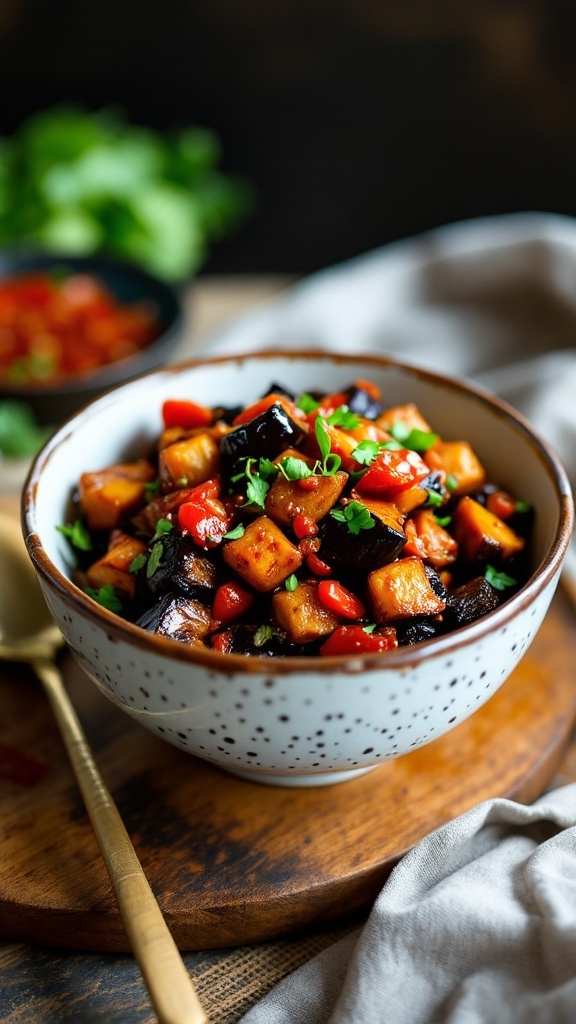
(263,556)
(108,495)
(114,567)
(429,540)
(408,415)
(402,589)
(458,460)
(481,535)
(301,613)
(286,498)
(189,462)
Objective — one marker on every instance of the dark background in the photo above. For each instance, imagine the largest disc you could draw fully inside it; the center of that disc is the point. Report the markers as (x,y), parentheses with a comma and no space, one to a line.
(358,121)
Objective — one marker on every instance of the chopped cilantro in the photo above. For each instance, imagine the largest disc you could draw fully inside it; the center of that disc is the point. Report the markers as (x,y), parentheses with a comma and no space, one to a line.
(366,452)
(235,534)
(443,521)
(77,534)
(155,559)
(498,580)
(343,417)
(306,403)
(162,526)
(151,489)
(106,596)
(256,488)
(294,469)
(138,562)
(330,463)
(292,582)
(370,628)
(434,499)
(413,438)
(451,482)
(262,635)
(522,506)
(355,515)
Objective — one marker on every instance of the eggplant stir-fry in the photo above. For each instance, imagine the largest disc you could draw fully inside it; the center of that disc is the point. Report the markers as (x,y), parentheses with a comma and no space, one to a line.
(308,524)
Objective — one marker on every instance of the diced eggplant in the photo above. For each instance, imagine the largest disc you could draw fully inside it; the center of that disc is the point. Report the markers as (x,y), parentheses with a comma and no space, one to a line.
(263,641)
(470,601)
(363,403)
(178,618)
(227,413)
(265,436)
(436,583)
(368,549)
(182,568)
(403,589)
(413,631)
(280,389)
(263,556)
(301,613)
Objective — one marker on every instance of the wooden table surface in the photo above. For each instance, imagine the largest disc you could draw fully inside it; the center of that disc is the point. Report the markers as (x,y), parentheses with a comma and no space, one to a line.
(42,985)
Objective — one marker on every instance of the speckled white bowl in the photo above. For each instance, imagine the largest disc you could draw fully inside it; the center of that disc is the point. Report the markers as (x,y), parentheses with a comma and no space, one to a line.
(296,721)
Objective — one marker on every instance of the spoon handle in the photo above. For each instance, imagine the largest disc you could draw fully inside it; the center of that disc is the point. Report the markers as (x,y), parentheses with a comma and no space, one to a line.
(163,969)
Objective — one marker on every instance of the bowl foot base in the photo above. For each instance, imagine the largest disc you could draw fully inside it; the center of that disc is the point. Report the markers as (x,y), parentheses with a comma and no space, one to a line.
(313,779)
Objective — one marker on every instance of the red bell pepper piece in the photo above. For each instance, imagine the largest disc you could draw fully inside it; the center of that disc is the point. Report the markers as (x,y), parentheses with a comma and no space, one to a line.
(203,516)
(230,601)
(304,526)
(339,600)
(393,471)
(353,640)
(183,413)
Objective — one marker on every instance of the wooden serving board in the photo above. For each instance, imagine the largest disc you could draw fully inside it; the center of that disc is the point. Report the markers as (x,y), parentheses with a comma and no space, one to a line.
(234,862)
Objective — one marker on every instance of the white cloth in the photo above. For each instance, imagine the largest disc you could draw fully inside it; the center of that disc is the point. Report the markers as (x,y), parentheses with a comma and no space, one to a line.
(477,924)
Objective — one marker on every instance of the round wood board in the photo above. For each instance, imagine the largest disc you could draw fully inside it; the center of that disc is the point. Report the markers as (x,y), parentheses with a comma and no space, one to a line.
(234,862)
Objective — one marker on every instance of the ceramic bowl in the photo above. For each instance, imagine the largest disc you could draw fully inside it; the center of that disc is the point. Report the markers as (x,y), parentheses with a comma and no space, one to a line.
(51,403)
(296,721)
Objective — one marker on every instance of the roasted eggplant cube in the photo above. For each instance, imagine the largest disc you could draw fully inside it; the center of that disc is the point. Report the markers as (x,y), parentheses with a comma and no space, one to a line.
(263,641)
(470,601)
(301,613)
(263,437)
(182,568)
(414,631)
(403,589)
(482,536)
(189,462)
(367,549)
(286,499)
(361,402)
(178,618)
(263,556)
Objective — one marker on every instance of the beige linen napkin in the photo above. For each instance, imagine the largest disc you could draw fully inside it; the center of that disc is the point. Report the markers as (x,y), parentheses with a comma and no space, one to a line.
(477,924)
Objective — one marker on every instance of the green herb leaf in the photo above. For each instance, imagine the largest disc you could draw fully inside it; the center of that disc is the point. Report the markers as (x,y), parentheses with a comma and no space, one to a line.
(151,489)
(292,582)
(138,562)
(262,635)
(369,629)
(155,559)
(294,469)
(256,488)
(355,515)
(415,439)
(106,596)
(522,506)
(322,437)
(499,580)
(451,482)
(306,403)
(162,526)
(344,417)
(443,521)
(77,534)
(267,469)
(235,534)
(366,452)
(434,499)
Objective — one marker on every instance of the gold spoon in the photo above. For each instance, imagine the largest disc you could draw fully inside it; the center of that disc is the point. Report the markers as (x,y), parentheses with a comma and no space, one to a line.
(28,634)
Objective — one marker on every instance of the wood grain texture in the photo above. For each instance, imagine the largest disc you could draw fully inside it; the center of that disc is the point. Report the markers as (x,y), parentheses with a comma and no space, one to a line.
(233,862)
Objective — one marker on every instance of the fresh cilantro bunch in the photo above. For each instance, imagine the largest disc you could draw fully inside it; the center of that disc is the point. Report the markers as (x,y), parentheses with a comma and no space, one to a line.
(77,182)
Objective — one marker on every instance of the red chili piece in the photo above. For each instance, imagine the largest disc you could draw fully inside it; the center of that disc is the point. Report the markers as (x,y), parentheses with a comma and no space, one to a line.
(230,601)
(317,566)
(303,526)
(391,472)
(204,517)
(183,413)
(339,600)
(353,640)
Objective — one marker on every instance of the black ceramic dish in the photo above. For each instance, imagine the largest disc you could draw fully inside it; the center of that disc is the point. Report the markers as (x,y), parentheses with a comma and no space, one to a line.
(129,284)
